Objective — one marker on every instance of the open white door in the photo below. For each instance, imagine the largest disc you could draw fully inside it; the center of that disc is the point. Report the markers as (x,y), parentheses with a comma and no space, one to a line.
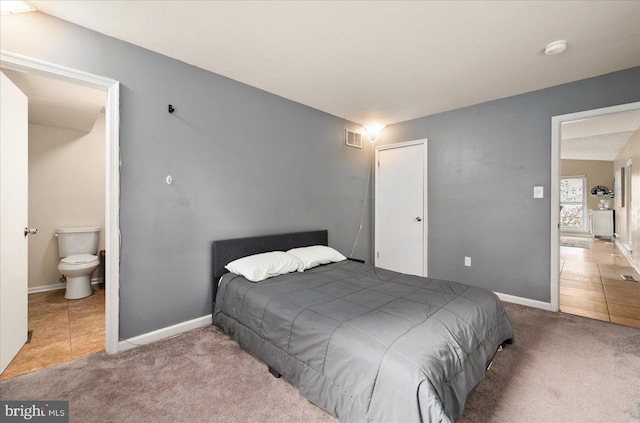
(13,220)
(401,208)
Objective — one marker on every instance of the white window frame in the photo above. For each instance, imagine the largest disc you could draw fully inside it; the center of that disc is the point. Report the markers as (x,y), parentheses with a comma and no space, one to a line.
(585,225)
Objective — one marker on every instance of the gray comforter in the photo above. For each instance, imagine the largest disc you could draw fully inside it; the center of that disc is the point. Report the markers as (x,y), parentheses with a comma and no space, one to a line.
(367,344)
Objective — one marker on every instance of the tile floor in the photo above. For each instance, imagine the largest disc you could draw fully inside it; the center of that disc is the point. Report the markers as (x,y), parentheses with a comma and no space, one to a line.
(591,285)
(62,330)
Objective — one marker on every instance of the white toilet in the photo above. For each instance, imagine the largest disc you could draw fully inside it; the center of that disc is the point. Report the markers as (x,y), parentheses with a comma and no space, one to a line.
(78,248)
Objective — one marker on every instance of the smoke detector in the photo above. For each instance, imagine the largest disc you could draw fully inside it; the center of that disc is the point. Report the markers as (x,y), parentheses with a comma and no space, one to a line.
(555,47)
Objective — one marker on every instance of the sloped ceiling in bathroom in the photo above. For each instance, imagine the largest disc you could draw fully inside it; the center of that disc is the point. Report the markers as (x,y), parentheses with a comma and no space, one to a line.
(58,103)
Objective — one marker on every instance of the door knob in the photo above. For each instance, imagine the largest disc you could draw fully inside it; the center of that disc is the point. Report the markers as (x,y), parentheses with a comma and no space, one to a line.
(32,231)
(419,219)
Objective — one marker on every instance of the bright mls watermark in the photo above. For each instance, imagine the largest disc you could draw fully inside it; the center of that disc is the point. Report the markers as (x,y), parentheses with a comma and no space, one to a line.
(35,411)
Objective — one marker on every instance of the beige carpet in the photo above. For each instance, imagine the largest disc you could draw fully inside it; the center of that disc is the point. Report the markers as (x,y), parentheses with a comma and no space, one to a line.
(561,368)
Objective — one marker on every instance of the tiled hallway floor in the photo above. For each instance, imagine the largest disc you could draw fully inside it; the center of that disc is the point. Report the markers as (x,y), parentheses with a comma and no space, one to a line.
(591,284)
(62,330)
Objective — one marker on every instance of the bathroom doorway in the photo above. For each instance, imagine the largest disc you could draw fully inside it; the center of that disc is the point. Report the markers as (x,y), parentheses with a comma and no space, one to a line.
(66,189)
(105,122)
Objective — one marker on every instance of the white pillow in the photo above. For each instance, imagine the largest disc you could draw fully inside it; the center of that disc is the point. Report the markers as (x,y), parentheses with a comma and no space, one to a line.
(316,255)
(259,267)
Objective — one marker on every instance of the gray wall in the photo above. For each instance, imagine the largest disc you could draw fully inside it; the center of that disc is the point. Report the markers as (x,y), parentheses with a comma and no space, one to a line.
(484,161)
(243,162)
(247,162)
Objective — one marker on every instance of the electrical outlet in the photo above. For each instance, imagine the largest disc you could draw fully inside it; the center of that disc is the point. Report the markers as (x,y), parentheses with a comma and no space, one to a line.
(467,261)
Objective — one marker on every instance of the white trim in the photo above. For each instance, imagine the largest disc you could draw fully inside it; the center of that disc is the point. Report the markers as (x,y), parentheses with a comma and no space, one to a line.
(425,218)
(112,170)
(556,121)
(169,331)
(46,288)
(575,232)
(524,301)
(58,286)
(625,252)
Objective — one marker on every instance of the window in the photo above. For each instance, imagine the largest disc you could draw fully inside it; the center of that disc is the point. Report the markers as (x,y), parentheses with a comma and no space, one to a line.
(573,203)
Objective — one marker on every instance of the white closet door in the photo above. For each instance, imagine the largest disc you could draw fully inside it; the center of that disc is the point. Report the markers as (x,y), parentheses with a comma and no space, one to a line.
(400,208)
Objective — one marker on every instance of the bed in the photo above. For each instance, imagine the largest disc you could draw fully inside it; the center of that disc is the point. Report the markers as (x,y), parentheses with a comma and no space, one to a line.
(363,343)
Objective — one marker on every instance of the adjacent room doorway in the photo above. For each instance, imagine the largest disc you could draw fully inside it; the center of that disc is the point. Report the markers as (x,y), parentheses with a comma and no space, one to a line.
(556,124)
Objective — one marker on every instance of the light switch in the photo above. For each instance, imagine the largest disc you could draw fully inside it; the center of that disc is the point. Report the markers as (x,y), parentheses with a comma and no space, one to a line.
(538,192)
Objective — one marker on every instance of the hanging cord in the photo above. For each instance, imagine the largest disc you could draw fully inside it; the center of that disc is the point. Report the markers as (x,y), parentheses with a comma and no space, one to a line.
(364,206)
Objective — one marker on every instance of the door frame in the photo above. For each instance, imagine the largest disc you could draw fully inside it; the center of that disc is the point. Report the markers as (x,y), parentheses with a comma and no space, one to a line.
(425,218)
(628,186)
(112,172)
(556,122)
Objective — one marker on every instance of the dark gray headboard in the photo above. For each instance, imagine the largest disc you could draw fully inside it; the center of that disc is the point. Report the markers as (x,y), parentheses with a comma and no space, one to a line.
(227,250)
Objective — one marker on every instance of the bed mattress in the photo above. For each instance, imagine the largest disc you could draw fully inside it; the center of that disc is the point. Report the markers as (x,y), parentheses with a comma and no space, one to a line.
(368,344)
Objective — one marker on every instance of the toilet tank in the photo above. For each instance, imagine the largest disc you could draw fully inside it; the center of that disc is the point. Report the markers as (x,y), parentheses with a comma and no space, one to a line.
(73,241)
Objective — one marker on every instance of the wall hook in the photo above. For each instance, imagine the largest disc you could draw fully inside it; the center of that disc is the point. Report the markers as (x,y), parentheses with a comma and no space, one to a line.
(171,109)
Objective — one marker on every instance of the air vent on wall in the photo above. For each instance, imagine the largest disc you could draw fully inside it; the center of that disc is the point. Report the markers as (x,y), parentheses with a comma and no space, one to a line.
(353,139)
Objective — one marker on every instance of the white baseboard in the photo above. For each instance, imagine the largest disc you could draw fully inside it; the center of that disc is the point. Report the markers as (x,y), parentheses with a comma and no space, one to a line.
(524,301)
(627,255)
(56,286)
(156,335)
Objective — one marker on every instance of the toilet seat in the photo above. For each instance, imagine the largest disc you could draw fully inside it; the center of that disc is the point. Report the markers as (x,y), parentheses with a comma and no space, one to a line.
(79,259)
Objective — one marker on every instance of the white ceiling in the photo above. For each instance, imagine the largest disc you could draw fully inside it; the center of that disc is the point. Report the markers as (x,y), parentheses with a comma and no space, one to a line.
(378,61)
(598,138)
(57,103)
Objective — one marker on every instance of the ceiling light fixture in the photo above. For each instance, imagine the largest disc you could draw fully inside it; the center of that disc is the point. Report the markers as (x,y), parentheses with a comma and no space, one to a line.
(555,47)
(17,6)
(374,130)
